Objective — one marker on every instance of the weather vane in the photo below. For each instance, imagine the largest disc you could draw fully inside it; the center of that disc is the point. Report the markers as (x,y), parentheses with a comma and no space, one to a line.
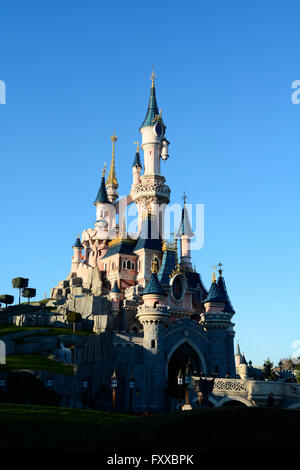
(137,146)
(184,197)
(220,268)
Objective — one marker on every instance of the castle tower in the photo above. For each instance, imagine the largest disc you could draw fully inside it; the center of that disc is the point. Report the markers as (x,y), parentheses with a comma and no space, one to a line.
(152,194)
(105,213)
(185,234)
(111,182)
(116,296)
(154,317)
(76,258)
(238,355)
(136,168)
(217,322)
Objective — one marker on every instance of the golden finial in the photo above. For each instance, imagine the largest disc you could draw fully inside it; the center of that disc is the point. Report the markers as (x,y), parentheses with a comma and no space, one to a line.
(114,139)
(78,235)
(104,170)
(112,178)
(154,266)
(213,274)
(153,76)
(220,269)
(137,146)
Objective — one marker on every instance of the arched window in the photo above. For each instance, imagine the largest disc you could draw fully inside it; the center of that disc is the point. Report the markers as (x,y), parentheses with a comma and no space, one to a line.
(124,265)
(132,266)
(105,267)
(139,265)
(129,264)
(112,265)
(152,343)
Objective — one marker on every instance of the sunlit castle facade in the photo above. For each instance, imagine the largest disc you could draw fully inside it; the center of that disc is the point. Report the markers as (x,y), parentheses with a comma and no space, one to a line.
(154,320)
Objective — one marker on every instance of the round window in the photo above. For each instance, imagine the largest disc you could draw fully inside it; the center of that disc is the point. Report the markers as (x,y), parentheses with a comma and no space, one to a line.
(177,288)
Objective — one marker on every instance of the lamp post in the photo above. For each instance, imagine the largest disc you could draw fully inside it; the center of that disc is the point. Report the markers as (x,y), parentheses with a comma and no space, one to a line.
(180,383)
(131,387)
(114,385)
(187,381)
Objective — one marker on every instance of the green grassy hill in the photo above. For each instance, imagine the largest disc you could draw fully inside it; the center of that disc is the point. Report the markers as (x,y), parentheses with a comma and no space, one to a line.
(43,428)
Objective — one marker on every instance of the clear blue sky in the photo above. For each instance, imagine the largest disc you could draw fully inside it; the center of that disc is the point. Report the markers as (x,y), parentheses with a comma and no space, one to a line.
(74,71)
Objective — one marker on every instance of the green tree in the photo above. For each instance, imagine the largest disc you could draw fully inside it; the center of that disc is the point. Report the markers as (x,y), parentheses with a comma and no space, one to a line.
(20,283)
(28,292)
(74,317)
(269,372)
(7,299)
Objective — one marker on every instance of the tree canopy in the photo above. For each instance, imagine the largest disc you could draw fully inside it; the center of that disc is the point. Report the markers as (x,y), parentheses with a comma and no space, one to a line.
(269,372)
(74,317)
(28,292)
(7,299)
(20,283)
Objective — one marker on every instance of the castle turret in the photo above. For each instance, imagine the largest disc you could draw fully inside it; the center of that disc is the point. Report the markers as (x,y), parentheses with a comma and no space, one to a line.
(136,167)
(185,234)
(112,183)
(151,194)
(116,296)
(76,258)
(238,355)
(217,322)
(154,317)
(105,213)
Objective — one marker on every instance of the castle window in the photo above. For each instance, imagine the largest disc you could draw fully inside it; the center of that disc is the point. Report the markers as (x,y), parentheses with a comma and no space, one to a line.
(105,267)
(152,343)
(112,265)
(133,266)
(124,265)
(139,265)
(129,264)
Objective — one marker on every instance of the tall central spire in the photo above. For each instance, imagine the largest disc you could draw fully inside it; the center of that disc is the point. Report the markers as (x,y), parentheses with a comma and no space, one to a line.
(152,110)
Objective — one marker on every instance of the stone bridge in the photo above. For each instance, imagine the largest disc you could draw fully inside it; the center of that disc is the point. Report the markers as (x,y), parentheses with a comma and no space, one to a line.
(250,392)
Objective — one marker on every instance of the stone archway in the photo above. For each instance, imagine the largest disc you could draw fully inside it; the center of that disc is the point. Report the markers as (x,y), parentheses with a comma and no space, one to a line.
(194,347)
(183,355)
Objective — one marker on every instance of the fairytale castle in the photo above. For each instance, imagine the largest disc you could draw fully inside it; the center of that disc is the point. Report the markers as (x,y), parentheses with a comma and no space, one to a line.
(155,322)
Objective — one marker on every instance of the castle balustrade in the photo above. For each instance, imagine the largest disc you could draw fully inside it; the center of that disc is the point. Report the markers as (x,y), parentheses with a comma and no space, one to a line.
(255,391)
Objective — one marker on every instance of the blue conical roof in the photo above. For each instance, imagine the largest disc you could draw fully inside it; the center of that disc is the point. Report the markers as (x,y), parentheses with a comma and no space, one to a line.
(185,225)
(116,288)
(214,294)
(77,243)
(168,264)
(102,193)
(149,237)
(137,160)
(222,289)
(152,110)
(153,286)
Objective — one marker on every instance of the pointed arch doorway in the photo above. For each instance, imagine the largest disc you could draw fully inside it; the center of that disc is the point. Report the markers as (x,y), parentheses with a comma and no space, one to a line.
(185,355)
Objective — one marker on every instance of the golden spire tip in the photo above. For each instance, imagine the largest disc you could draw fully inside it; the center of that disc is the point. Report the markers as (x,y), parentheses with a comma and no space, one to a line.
(153,76)
(104,170)
(213,275)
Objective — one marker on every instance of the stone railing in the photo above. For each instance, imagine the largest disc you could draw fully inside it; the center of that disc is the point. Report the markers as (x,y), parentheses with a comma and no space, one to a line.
(256,391)
(224,386)
(292,390)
